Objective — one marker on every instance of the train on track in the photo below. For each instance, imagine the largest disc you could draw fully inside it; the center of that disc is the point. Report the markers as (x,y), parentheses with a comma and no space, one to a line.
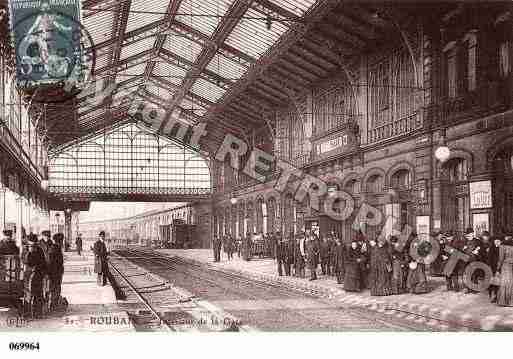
(181,227)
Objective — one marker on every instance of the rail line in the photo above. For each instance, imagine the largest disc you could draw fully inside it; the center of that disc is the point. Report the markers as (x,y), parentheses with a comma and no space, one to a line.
(197,272)
(162,321)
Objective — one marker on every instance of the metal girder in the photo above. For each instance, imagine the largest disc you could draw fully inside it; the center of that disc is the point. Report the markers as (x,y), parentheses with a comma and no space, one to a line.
(227,50)
(304,65)
(297,31)
(265,96)
(358,26)
(290,75)
(247,113)
(207,75)
(222,32)
(127,63)
(316,58)
(99,6)
(251,102)
(342,33)
(145,31)
(171,11)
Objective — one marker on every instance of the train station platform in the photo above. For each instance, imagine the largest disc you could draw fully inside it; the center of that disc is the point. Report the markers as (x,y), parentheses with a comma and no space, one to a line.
(446,308)
(91,308)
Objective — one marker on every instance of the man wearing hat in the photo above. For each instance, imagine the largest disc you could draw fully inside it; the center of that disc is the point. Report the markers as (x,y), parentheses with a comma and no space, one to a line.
(100,259)
(33,277)
(473,248)
(455,244)
(54,266)
(7,244)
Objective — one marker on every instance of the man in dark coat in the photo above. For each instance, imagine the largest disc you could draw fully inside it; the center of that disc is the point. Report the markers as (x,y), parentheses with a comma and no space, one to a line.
(100,259)
(338,255)
(289,254)
(324,254)
(78,244)
(333,241)
(453,280)
(299,256)
(312,255)
(491,257)
(472,248)
(7,244)
(55,269)
(33,277)
(280,252)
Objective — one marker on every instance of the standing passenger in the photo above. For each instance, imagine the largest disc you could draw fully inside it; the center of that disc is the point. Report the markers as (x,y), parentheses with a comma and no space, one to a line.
(399,265)
(380,275)
(55,270)
(7,244)
(338,267)
(312,255)
(324,253)
(505,268)
(33,276)
(78,243)
(353,264)
(100,259)
(299,256)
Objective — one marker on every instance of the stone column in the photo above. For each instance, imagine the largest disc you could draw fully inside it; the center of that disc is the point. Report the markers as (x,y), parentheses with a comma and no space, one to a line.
(2,206)
(19,221)
(67,228)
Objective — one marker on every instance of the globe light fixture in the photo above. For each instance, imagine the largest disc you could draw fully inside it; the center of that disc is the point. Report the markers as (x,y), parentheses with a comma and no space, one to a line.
(44,184)
(443,153)
(233,201)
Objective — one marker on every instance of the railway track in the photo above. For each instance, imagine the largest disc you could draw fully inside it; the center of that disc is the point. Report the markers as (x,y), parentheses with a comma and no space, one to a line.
(154,304)
(271,306)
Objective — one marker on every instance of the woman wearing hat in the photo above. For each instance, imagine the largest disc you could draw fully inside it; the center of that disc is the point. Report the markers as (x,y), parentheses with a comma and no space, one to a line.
(505,268)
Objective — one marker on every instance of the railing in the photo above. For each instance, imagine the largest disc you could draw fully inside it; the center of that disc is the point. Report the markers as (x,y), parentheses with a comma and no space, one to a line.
(474,104)
(395,128)
(94,191)
(17,150)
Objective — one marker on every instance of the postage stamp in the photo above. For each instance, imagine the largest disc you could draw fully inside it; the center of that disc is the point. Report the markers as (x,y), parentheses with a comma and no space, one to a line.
(54,51)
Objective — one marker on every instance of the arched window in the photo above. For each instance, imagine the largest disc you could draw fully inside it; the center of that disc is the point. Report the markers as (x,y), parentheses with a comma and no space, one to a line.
(374,184)
(401,179)
(457,170)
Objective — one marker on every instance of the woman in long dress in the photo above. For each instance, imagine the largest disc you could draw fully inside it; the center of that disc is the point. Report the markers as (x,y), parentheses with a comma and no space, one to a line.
(380,268)
(417,279)
(399,266)
(353,260)
(505,268)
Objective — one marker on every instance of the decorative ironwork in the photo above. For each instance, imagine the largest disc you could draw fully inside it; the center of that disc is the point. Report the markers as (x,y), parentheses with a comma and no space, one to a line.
(129,161)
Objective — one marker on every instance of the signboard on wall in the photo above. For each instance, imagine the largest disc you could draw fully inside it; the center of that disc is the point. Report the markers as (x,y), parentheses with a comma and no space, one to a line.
(340,142)
(481,222)
(481,195)
(47,39)
(423,229)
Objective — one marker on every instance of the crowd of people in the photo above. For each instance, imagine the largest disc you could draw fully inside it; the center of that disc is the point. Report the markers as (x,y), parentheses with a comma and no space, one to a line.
(385,265)
(43,263)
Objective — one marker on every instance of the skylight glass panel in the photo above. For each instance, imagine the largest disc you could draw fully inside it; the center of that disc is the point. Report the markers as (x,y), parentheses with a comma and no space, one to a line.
(137,47)
(169,72)
(229,69)
(203,15)
(207,90)
(251,35)
(298,7)
(182,46)
(149,12)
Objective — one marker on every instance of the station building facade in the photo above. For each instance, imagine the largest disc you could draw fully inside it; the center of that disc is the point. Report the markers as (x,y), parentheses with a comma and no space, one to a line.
(379,127)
